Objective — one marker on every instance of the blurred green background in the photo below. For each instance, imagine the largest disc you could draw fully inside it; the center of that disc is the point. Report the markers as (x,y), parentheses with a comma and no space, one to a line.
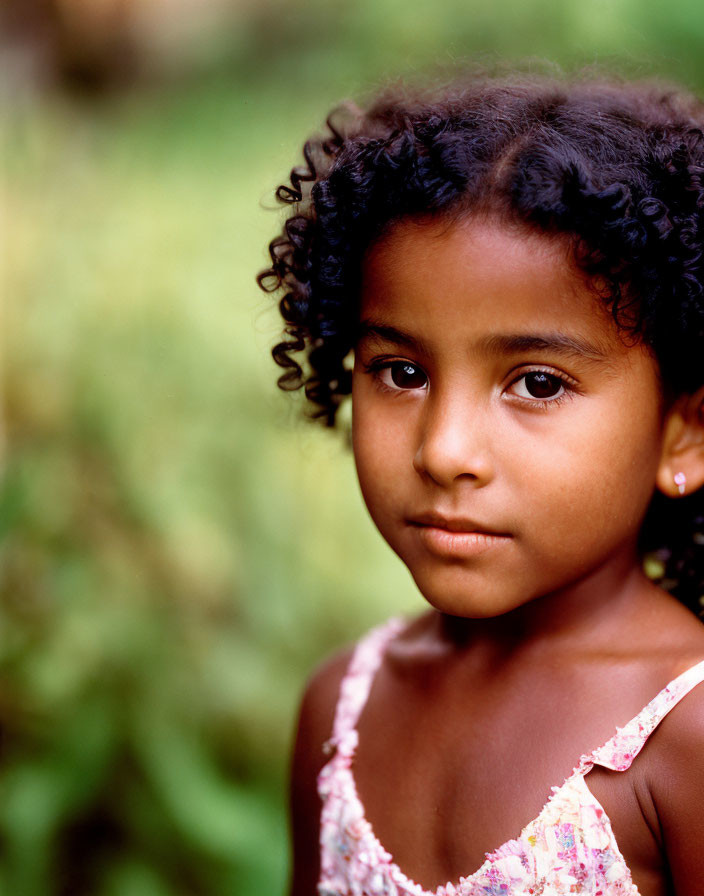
(177,549)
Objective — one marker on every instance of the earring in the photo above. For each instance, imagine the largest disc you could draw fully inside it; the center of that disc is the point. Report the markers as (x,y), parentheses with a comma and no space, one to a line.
(681,482)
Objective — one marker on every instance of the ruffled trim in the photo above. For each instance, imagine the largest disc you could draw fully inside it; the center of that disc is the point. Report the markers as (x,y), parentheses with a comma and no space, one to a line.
(569,844)
(619,752)
(357,683)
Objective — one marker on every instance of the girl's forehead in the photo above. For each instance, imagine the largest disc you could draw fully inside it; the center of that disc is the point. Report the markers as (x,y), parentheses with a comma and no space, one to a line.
(460,247)
(479,276)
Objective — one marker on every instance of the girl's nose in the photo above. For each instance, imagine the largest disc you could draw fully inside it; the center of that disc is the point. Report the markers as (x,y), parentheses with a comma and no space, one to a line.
(454,444)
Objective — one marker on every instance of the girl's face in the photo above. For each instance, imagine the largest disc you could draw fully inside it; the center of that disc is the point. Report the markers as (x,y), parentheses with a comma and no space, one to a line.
(506,438)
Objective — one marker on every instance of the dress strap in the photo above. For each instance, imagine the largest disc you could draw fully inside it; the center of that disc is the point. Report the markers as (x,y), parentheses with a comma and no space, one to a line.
(357,683)
(619,752)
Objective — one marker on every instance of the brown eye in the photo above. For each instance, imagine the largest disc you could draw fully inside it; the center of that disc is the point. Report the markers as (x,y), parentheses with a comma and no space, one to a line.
(407,376)
(540,385)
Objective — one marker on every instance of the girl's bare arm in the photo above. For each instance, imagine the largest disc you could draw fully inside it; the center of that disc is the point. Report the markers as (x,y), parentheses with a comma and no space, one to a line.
(677,787)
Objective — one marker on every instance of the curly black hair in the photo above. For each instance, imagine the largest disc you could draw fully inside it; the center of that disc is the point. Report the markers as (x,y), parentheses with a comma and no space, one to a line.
(617,168)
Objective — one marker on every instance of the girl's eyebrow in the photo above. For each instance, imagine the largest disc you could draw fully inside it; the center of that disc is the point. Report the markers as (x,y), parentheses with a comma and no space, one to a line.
(556,343)
(369,329)
(496,344)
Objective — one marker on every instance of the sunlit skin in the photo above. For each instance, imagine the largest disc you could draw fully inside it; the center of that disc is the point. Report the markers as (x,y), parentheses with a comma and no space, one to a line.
(508,440)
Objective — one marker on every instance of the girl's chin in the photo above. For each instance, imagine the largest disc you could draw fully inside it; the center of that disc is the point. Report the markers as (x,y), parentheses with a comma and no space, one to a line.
(468,600)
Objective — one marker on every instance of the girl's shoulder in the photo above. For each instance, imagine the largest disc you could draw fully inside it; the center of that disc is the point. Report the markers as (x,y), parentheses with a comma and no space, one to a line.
(682,728)
(393,641)
(320,697)
(316,722)
(669,775)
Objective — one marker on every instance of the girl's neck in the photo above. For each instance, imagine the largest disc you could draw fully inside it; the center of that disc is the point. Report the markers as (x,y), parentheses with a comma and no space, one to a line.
(590,615)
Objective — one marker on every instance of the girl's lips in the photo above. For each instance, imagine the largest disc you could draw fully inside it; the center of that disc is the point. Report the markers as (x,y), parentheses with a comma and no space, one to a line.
(455,537)
(460,524)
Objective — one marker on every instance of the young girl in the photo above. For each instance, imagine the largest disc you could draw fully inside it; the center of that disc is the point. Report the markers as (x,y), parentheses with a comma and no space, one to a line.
(516,268)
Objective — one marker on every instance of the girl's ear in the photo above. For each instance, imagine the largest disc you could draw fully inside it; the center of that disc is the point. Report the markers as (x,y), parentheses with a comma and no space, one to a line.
(681,469)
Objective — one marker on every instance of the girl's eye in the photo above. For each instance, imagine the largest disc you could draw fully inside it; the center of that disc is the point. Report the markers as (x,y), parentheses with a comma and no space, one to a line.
(539,385)
(401,375)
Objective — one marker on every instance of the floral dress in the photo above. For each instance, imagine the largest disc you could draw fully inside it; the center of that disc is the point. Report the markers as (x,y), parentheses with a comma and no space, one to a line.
(569,848)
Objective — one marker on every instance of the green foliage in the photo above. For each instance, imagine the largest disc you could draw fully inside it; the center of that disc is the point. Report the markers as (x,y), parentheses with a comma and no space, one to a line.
(165,529)
(175,551)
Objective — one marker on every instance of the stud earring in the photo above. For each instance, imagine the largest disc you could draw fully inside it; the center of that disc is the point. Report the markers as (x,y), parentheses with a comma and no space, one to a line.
(681,482)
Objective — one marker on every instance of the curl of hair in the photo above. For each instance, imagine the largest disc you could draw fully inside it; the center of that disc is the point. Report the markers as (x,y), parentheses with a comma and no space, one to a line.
(618,169)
